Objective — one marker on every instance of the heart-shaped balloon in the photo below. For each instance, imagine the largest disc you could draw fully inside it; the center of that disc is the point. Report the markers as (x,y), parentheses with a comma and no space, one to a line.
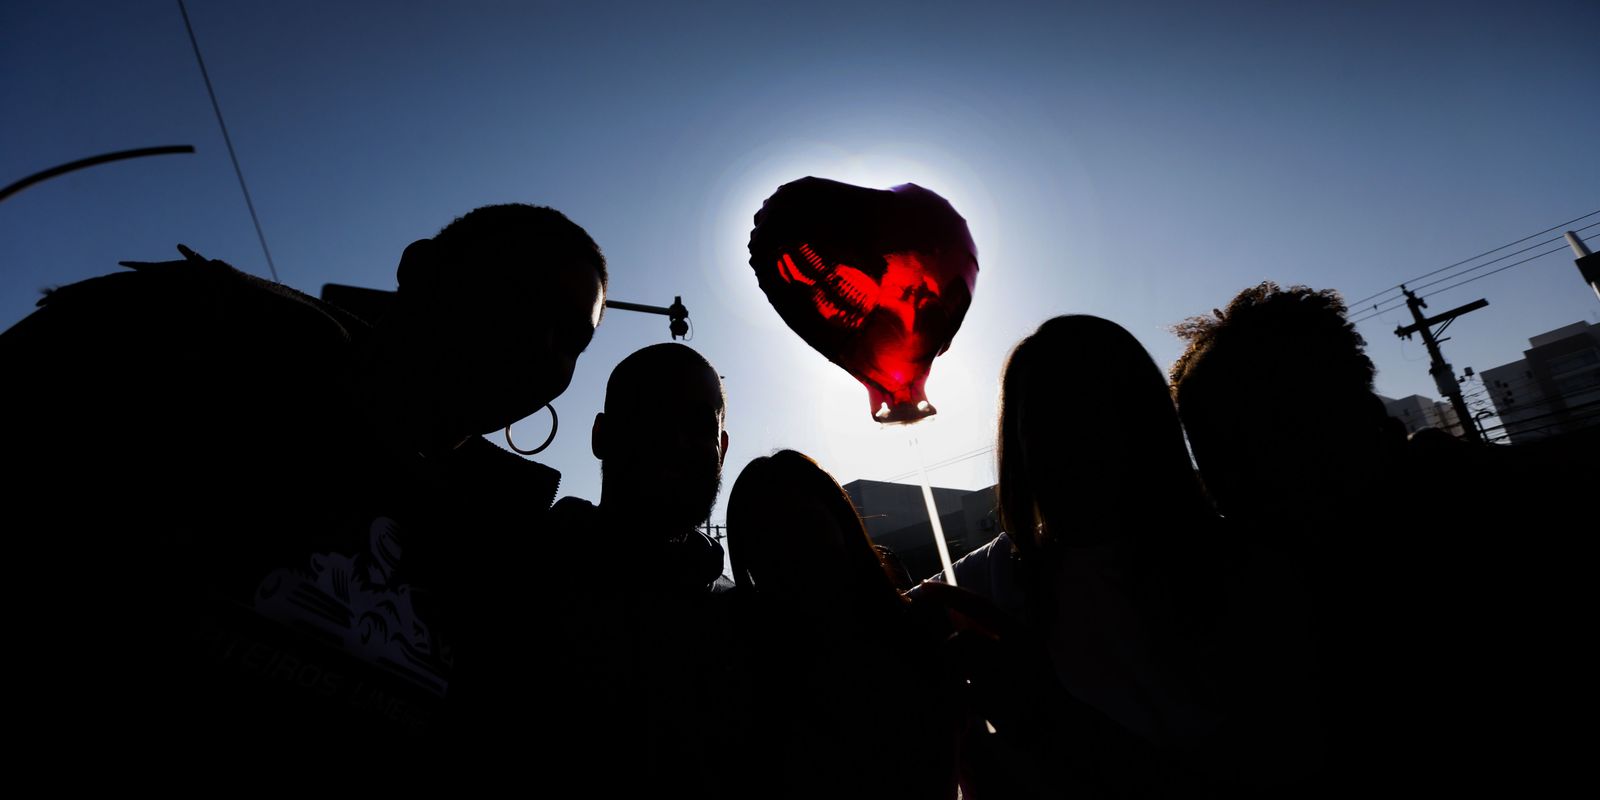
(877,281)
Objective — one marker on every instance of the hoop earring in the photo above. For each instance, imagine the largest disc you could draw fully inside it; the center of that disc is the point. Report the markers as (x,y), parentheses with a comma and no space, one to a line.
(554,423)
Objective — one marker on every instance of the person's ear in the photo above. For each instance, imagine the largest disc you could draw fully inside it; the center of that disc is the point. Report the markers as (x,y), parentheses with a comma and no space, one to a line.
(597,437)
(419,265)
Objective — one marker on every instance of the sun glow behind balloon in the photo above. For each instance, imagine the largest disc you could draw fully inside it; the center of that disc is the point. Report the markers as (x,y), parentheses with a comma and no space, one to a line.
(824,413)
(878,281)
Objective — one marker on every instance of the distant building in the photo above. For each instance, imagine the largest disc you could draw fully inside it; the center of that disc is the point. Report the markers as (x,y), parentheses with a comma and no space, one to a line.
(897,517)
(1554,388)
(1417,412)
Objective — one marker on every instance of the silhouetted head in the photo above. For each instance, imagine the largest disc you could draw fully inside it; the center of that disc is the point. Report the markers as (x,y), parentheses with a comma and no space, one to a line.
(661,438)
(493,313)
(1276,395)
(1088,440)
(793,533)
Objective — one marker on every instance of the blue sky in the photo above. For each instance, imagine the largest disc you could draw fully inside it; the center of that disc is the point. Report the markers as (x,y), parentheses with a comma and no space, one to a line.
(1139,161)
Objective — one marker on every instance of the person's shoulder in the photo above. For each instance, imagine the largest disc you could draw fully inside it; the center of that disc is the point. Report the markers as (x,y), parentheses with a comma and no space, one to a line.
(570,513)
(985,557)
(991,571)
(478,468)
(278,309)
(198,302)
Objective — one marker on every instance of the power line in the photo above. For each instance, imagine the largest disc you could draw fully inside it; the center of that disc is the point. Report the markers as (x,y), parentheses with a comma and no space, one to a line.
(1493,271)
(1581,418)
(1531,405)
(982,451)
(1514,405)
(1592,408)
(228,140)
(1379,311)
(947,462)
(1475,258)
(1549,401)
(1502,258)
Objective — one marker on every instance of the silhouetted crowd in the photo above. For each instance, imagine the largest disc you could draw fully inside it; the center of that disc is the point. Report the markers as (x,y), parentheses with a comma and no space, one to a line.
(258,536)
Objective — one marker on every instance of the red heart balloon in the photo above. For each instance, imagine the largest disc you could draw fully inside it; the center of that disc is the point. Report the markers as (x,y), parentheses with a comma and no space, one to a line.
(877,281)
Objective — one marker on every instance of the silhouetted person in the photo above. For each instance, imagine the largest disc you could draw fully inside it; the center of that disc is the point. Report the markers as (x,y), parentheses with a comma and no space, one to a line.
(1325,454)
(263,520)
(1275,393)
(638,659)
(851,698)
(1109,544)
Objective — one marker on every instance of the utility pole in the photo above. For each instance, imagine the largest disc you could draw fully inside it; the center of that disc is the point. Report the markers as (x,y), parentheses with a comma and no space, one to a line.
(1444,376)
(1588,263)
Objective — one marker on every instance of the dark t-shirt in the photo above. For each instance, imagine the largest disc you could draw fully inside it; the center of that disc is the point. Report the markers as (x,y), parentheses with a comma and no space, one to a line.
(639,678)
(223,548)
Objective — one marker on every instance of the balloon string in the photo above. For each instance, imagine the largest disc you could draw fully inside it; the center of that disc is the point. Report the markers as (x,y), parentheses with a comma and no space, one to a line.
(933,516)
